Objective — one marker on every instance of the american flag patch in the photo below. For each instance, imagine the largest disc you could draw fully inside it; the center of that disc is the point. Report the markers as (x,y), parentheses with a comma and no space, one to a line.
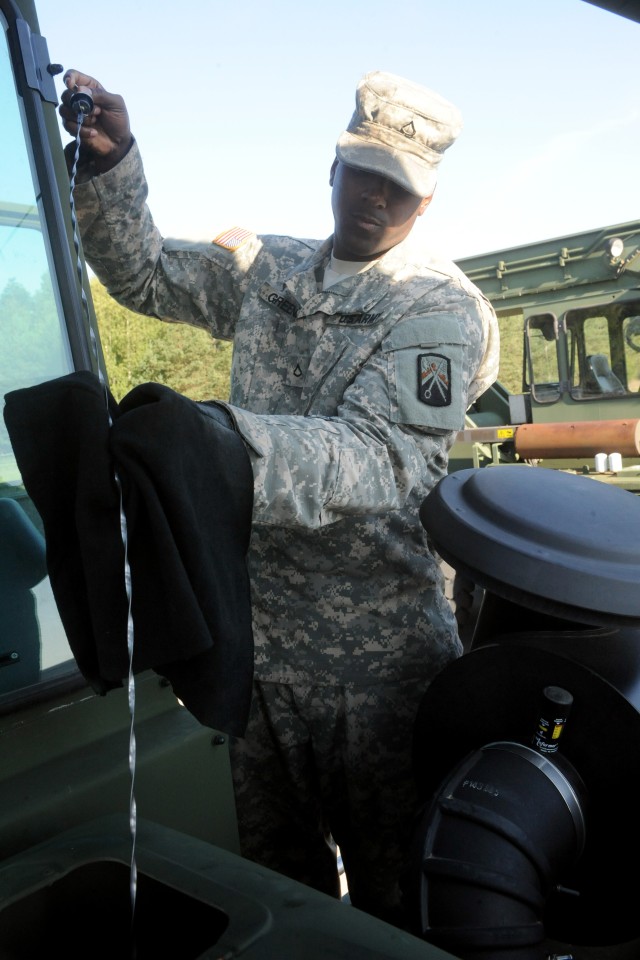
(233,238)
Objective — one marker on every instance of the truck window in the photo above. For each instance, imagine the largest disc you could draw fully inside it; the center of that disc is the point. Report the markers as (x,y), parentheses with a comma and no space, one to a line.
(604,347)
(541,374)
(33,645)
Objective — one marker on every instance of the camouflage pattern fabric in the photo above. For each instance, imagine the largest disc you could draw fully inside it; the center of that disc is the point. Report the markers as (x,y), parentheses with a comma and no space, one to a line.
(348,401)
(322,764)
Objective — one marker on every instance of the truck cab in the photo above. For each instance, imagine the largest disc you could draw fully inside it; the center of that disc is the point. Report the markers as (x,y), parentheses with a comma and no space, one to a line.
(569,314)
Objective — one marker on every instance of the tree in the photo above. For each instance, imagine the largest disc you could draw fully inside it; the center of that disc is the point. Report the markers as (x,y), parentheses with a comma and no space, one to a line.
(140,349)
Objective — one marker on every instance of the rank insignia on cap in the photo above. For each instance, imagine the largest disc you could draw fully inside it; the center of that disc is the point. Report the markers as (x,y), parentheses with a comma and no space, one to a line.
(434,379)
(233,238)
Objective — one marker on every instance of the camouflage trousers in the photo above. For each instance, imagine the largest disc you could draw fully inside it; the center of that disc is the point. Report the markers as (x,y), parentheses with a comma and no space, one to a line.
(321,766)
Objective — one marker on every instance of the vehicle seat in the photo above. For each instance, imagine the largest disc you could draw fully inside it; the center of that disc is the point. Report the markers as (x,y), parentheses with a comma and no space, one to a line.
(601,376)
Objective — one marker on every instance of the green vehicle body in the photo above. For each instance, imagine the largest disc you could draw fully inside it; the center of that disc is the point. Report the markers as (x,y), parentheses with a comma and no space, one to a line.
(76,814)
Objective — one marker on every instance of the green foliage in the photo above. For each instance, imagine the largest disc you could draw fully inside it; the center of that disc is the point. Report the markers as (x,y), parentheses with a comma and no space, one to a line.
(30,335)
(32,347)
(141,349)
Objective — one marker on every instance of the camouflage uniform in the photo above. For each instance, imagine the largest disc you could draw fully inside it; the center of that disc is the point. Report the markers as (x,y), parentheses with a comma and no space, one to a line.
(348,401)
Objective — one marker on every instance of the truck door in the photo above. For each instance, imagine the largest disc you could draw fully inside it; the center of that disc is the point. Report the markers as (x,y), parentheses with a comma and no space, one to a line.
(44,315)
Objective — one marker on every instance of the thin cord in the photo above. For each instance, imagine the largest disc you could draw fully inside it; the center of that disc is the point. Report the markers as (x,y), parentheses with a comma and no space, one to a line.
(131,688)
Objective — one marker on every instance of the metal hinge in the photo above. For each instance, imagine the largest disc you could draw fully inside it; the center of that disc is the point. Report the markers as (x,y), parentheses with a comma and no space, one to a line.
(38,71)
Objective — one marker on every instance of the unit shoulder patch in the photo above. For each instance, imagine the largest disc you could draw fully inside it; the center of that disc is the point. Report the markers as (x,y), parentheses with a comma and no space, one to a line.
(233,238)
(434,379)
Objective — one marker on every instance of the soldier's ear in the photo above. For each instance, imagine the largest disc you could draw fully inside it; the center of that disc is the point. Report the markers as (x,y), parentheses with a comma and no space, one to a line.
(332,172)
(424,203)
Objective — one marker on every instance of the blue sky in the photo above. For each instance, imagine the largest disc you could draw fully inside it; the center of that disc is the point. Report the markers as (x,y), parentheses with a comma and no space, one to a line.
(237,107)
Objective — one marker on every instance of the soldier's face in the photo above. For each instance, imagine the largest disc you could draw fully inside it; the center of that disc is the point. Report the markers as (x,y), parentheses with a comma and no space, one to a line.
(371,214)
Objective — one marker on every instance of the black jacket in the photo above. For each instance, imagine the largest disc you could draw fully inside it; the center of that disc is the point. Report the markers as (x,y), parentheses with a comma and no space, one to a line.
(187,496)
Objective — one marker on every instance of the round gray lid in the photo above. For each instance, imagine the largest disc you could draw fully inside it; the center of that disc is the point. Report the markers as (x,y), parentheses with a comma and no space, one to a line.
(547,539)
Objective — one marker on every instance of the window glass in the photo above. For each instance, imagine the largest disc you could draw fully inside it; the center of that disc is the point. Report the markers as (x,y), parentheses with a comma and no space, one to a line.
(33,644)
(605,350)
(542,373)
(631,334)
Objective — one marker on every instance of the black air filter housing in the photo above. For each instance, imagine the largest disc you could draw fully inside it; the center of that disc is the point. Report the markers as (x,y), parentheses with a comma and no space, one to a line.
(559,558)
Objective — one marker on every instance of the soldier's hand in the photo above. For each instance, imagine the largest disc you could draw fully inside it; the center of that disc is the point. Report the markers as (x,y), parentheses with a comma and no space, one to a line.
(105,132)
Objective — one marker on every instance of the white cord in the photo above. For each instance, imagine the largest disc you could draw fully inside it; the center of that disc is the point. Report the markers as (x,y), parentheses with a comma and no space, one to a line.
(131,688)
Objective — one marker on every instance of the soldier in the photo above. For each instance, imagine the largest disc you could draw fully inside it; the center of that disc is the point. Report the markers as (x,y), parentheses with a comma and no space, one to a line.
(354,361)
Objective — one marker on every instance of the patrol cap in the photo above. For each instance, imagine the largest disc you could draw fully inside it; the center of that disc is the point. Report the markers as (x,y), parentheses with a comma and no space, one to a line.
(400,130)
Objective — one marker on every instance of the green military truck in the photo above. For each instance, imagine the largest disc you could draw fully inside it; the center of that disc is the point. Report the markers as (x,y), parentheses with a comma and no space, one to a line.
(569,311)
(117,824)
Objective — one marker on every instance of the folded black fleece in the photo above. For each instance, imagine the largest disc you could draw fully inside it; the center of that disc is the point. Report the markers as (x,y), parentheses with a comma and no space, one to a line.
(187,491)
